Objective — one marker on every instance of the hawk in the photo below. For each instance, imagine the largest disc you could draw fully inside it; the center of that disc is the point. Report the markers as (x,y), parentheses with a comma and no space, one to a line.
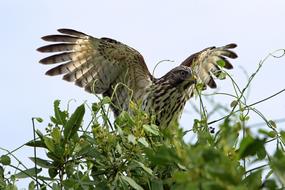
(111,68)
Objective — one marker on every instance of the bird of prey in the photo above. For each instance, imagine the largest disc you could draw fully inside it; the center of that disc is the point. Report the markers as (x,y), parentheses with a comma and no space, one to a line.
(111,68)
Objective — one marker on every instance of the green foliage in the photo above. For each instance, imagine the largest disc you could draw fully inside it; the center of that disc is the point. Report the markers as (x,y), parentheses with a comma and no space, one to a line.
(133,153)
(137,154)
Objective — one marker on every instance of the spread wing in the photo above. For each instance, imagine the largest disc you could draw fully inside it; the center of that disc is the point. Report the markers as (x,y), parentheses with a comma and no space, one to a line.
(97,65)
(208,62)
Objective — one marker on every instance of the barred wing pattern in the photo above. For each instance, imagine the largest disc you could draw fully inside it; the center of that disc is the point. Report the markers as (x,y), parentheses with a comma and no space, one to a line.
(204,64)
(98,65)
(106,66)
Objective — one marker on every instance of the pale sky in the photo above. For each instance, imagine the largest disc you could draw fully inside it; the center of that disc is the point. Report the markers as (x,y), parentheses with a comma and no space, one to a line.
(160,29)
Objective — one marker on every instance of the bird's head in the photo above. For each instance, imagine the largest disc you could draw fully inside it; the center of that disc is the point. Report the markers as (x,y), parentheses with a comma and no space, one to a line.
(180,77)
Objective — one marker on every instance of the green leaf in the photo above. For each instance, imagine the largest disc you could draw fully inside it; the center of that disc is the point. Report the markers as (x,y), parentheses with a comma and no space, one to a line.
(73,124)
(270,184)
(28,173)
(199,87)
(132,139)
(106,100)
(131,182)
(60,116)
(245,145)
(124,119)
(69,169)
(1,173)
(50,144)
(269,174)
(148,170)
(53,156)
(52,172)
(209,185)
(282,134)
(222,76)
(41,162)
(5,160)
(38,119)
(119,148)
(56,186)
(244,117)
(143,141)
(221,63)
(253,181)
(234,103)
(39,133)
(37,143)
(95,107)
(272,124)
(11,187)
(271,134)
(261,153)
(32,185)
(250,146)
(56,135)
(120,131)
(277,164)
(163,155)
(181,177)
(152,129)
(157,184)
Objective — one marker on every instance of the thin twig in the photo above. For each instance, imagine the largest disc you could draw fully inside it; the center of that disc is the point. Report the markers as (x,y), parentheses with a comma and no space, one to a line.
(256,168)
(157,64)
(247,106)
(282,120)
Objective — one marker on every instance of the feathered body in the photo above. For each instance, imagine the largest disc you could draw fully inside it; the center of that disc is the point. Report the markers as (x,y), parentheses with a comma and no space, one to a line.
(108,67)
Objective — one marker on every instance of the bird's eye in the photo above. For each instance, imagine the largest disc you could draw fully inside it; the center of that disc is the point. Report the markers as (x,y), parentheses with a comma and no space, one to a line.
(183,74)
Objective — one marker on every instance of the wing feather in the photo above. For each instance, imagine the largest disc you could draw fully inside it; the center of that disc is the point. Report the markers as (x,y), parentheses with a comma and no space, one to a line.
(58,58)
(72,73)
(62,47)
(72,32)
(60,38)
(87,60)
(205,63)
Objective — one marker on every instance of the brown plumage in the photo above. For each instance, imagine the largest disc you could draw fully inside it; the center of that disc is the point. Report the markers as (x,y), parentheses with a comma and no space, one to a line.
(106,66)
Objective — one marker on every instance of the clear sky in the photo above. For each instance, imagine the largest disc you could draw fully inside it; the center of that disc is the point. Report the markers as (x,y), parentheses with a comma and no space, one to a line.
(160,29)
